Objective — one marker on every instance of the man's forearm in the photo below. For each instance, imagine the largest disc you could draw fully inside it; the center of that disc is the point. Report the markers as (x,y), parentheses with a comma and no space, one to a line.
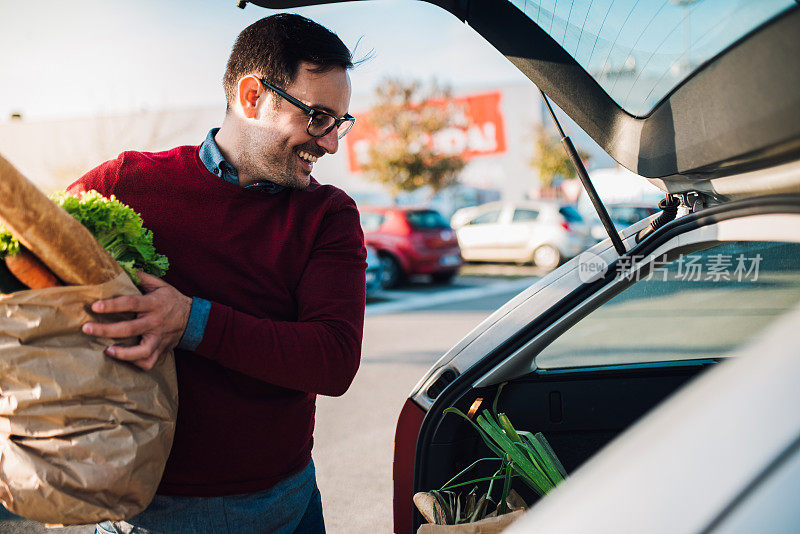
(317,356)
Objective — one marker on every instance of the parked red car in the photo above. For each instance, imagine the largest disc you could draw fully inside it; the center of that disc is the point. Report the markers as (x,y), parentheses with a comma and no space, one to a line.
(411,241)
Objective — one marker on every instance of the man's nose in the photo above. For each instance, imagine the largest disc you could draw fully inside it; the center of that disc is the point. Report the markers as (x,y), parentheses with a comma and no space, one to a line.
(329,142)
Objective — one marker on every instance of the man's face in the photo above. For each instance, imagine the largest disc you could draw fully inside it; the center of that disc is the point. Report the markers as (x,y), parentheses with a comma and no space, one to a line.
(281,150)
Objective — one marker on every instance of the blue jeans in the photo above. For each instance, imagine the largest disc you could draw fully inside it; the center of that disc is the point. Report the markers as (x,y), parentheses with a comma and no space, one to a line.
(293,506)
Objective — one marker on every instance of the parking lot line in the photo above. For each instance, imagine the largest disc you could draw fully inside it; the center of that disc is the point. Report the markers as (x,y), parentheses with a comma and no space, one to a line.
(448,297)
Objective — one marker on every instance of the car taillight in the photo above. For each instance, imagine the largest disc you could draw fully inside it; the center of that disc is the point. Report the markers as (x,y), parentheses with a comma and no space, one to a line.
(405,448)
(423,240)
(434,240)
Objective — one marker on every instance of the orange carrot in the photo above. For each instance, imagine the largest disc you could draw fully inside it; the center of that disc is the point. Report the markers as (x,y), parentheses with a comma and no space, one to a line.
(29,270)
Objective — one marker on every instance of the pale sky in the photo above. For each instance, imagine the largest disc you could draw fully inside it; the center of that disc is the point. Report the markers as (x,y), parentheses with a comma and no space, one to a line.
(67,58)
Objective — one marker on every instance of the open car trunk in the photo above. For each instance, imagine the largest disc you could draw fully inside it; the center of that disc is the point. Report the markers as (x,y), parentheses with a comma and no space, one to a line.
(591,357)
(578,412)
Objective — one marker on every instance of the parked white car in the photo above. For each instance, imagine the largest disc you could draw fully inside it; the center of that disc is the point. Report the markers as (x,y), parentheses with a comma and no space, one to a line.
(540,232)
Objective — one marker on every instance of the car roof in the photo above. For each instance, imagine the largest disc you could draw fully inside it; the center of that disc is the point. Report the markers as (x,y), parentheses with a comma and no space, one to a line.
(384,209)
(536,204)
(734,112)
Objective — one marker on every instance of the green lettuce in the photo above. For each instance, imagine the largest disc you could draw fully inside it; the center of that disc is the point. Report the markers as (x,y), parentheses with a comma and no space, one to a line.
(115,226)
(9,246)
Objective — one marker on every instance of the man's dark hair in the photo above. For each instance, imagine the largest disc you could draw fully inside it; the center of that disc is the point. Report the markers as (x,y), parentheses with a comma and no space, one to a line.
(274,47)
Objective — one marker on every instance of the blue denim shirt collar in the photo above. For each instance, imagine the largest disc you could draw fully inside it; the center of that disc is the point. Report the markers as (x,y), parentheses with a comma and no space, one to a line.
(215,162)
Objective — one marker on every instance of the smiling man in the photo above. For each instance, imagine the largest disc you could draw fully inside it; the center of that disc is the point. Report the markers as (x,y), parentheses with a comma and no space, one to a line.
(264,299)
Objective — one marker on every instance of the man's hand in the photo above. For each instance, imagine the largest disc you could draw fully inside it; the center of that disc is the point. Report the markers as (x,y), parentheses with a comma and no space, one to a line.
(161,317)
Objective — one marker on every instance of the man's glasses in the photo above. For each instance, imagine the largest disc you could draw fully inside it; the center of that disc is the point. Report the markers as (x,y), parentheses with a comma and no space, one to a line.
(320,123)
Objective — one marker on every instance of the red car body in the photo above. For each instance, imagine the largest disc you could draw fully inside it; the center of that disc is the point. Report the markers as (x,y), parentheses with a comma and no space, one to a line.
(412,241)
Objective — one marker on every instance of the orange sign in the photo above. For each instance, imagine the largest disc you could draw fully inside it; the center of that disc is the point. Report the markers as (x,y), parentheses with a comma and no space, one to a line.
(483,135)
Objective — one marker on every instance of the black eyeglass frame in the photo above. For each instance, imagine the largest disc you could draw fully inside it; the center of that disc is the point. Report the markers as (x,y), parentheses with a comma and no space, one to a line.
(313,112)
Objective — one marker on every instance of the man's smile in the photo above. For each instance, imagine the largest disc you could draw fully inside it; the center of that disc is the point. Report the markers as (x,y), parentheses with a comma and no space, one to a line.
(306,156)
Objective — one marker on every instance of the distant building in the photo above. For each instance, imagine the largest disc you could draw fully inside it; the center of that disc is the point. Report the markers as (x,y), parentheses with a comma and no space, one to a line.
(497,141)
(53,154)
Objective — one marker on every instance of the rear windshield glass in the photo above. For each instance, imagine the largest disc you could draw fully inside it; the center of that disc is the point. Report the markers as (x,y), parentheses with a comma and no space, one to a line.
(570,214)
(426,219)
(639,50)
(486,218)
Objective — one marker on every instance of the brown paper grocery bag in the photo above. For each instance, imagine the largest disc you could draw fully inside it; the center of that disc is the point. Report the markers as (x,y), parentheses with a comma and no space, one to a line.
(490,525)
(83,437)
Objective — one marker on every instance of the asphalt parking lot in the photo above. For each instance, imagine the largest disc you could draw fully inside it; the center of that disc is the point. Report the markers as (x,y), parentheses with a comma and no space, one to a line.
(474,280)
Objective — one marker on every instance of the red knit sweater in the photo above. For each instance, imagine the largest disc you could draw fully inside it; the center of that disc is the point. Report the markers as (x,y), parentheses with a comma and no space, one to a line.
(285,275)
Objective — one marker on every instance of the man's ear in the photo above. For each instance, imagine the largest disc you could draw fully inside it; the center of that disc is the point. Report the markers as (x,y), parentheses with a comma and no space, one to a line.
(250,92)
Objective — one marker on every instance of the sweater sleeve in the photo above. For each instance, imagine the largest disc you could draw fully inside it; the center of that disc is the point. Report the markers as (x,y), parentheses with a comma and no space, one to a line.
(320,352)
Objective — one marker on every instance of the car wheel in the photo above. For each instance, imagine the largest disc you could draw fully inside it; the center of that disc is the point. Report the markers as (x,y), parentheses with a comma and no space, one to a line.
(392,272)
(546,257)
(443,278)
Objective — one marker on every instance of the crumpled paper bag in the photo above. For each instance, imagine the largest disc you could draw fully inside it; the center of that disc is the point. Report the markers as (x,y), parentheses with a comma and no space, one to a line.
(490,525)
(83,437)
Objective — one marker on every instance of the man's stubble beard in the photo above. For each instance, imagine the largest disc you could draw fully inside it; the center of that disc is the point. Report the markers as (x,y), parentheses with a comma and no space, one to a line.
(277,167)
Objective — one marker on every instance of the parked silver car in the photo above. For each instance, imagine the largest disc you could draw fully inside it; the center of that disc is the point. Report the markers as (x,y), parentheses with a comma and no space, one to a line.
(540,232)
